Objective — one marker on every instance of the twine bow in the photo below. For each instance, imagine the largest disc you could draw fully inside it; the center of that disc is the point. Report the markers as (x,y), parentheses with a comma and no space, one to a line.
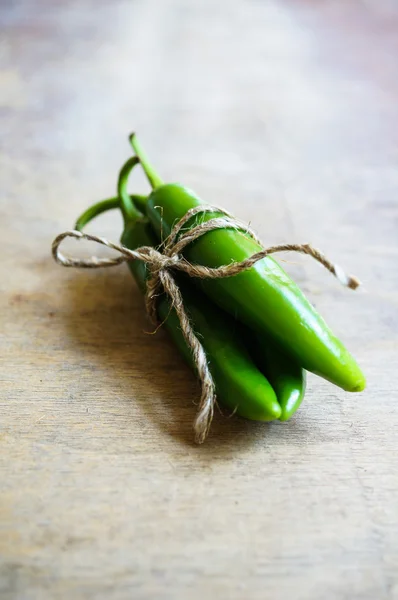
(161,264)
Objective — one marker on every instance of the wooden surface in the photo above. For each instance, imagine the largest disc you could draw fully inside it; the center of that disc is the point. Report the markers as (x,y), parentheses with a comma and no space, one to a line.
(286,113)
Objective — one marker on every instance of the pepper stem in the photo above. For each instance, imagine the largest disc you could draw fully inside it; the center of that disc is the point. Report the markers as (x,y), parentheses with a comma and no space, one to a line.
(128,208)
(152,176)
(110,204)
(96,210)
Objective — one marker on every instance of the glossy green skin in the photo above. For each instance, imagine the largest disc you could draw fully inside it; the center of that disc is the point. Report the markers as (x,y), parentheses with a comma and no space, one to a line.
(282,371)
(239,384)
(263,297)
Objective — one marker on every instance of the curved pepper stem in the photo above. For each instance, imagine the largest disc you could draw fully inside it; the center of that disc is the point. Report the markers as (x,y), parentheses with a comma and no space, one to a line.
(95,210)
(128,208)
(110,204)
(130,205)
(152,176)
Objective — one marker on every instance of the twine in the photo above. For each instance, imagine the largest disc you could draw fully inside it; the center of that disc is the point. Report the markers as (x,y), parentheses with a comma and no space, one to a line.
(161,264)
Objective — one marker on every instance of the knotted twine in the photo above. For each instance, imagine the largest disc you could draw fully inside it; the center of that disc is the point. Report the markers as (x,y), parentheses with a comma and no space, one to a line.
(168,258)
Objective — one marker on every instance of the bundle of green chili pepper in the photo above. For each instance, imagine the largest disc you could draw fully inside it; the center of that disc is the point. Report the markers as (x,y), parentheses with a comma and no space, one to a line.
(258,330)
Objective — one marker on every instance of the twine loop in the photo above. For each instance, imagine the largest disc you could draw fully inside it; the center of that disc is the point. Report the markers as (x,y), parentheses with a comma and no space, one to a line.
(168,258)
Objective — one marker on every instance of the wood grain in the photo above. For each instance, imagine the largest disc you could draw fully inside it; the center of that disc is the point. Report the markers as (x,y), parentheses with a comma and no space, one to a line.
(285,112)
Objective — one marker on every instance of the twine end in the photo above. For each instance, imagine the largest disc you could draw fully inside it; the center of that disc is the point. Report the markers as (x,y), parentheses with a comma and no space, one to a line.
(349,281)
(354,283)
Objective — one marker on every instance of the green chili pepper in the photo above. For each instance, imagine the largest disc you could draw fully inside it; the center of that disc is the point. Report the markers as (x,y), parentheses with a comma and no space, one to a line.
(263,297)
(239,383)
(286,376)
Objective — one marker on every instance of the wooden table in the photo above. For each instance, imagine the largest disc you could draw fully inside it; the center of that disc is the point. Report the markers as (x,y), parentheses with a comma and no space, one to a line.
(286,113)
